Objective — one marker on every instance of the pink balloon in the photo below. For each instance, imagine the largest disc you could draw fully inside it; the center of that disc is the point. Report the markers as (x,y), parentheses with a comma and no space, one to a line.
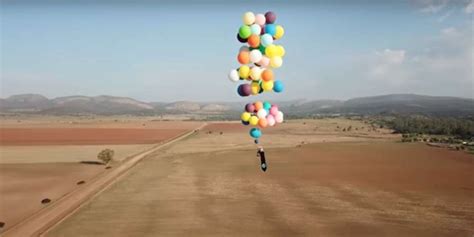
(260,19)
(264,62)
(274,110)
(270,120)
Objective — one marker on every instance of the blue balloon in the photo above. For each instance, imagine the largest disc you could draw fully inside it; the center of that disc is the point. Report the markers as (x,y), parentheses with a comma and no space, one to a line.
(245,123)
(267,105)
(278,86)
(270,29)
(255,133)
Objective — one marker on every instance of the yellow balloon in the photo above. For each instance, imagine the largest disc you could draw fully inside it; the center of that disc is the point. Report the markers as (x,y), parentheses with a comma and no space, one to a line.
(276,62)
(253,120)
(279,32)
(255,87)
(267,85)
(248,18)
(245,116)
(280,51)
(244,71)
(270,50)
(255,73)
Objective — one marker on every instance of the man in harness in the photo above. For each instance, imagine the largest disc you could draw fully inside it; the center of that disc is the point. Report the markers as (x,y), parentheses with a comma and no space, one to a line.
(263,163)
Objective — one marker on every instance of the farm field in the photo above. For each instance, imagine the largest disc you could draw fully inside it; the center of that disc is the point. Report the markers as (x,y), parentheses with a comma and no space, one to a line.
(320,181)
(45,159)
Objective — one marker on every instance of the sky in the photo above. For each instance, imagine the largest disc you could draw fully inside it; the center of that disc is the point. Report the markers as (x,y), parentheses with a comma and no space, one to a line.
(184,50)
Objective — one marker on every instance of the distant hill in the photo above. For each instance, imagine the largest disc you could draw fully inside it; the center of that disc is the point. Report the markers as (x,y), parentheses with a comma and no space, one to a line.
(108,105)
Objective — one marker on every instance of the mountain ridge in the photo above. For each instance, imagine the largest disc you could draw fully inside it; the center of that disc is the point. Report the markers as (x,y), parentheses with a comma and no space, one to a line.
(112,105)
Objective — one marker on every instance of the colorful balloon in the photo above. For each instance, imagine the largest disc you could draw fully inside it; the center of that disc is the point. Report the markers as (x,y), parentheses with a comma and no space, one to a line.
(255,29)
(255,133)
(278,86)
(260,19)
(266,39)
(279,32)
(234,75)
(254,41)
(248,18)
(274,110)
(267,106)
(267,75)
(244,71)
(279,117)
(271,51)
(245,90)
(240,39)
(262,113)
(280,51)
(258,105)
(270,29)
(255,86)
(249,108)
(245,123)
(270,17)
(267,85)
(243,57)
(255,56)
(270,120)
(245,116)
(255,73)
(262,122)
(276,62)
(253,120)
(244,32)
(264,62)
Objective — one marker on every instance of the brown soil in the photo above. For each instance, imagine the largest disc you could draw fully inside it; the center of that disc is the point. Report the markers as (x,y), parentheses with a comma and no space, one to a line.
(84,136)
(326,189)
(24,186)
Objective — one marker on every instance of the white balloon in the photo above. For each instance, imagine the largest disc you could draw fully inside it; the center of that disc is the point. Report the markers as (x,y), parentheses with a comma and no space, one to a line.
(262,113)
(276,62)
(279,117)
(248,18)
(266,40)
(255,56)
(260,19)
(255,73)
(234,75)
(255,29)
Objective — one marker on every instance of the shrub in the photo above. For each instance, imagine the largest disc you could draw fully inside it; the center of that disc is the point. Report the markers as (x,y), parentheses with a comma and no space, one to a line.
(106,156)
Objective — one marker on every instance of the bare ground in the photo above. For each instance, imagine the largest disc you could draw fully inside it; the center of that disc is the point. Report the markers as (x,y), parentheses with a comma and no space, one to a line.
(375,188)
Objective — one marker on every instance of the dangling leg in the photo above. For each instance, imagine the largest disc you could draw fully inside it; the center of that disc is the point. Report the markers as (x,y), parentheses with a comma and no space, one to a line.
(263,163)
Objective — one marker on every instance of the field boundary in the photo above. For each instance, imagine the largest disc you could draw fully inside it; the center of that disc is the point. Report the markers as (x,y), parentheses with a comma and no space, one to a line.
(43,220)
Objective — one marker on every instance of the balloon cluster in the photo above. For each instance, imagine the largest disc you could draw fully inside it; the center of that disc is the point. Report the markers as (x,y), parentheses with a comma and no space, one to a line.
(258,58)
(261,115)
(260,55)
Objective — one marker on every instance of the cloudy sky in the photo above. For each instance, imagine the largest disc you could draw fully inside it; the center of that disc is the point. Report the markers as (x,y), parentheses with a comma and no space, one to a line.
(183,50)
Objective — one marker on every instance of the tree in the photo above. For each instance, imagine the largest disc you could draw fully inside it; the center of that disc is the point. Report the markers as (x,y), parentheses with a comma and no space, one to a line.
(106,156)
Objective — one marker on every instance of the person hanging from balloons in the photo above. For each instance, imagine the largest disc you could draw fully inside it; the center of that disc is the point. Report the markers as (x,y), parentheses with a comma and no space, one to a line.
(258,58)
(263,162)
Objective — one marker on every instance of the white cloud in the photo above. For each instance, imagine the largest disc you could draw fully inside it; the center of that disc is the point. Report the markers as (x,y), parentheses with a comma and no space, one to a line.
(386,63)
(443,65)
(469,8)
(445,16)
(432,6)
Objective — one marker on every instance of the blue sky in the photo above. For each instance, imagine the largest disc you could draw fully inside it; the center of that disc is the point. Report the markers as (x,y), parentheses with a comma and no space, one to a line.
(183,50)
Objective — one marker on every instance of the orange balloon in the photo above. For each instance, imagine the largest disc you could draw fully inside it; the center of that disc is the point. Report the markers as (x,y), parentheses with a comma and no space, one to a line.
(267,75)
(244,57)
(258,105)
(254,41)
(262,122)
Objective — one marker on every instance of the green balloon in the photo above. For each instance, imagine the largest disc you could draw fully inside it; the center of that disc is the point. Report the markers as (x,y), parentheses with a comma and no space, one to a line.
(262,49)
(244,31)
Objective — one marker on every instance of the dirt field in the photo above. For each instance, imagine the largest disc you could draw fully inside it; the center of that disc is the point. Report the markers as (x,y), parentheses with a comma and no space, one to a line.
(64,153)
(23,186)
(366,185)
(34,152)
